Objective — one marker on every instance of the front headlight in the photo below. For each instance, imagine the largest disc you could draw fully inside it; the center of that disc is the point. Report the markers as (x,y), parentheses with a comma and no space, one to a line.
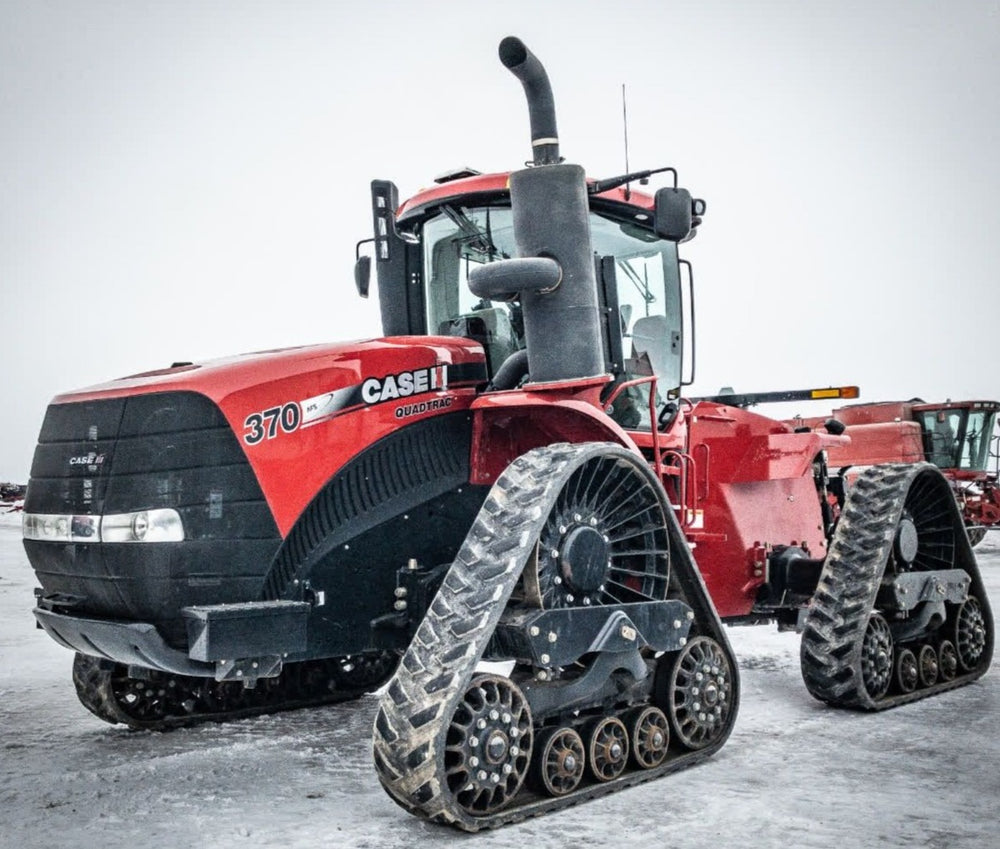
(159,525)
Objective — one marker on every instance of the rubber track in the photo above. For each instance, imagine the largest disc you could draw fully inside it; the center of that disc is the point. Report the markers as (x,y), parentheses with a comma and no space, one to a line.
(837,618)
(432,677)
(93,681)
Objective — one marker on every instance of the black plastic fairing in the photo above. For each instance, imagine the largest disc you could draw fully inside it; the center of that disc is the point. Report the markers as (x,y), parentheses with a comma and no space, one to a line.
(405,497)
(397,266)
(162,450)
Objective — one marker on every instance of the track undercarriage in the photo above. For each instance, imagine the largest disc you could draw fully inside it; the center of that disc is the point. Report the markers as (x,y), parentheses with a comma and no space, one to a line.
(159,701)
(901,612)
(577,576)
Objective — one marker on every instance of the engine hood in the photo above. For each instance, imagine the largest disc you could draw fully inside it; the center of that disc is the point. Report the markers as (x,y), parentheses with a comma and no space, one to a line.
(298,414)
(331,366)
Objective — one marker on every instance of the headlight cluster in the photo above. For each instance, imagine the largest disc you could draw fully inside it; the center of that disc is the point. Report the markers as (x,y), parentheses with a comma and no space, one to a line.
(159,525)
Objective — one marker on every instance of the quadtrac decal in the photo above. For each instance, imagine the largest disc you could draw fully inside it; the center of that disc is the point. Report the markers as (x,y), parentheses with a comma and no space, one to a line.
(293,415)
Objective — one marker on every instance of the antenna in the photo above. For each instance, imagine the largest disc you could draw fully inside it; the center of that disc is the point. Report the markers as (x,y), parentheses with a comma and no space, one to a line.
(628,189)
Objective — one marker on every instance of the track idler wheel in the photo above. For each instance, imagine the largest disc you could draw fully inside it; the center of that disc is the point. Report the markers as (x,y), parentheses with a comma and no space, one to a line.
(560,761)
(700,693)
(488,745)
(970,633)
(876,657)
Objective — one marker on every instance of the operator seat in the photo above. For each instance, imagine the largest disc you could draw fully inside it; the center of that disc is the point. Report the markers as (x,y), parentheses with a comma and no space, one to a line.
(491,328)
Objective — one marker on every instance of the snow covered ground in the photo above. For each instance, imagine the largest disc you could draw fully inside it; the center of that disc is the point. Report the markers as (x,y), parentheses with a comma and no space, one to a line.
(794,773)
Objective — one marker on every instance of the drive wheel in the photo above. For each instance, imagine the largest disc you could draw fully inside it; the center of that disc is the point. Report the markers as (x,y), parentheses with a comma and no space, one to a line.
(970,633)
(907,672)
(927,661)
(560,761)
(924,538)
(605,539)
(649,734)
(607,748)
(700,693)
(876,657)
(947,660)
(488,745)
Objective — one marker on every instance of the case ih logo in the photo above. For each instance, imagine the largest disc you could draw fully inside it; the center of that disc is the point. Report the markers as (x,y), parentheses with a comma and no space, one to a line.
(406,383)
(290,416)
(90,459)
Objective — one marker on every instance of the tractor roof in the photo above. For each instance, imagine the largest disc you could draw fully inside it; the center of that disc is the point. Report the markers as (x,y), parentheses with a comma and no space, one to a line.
(484,188)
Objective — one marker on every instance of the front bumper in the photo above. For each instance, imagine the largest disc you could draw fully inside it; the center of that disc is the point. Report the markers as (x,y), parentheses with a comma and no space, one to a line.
(227,641)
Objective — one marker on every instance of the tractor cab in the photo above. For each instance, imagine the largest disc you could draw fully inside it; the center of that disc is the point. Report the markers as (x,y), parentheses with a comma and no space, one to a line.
(427,252)
(959,436)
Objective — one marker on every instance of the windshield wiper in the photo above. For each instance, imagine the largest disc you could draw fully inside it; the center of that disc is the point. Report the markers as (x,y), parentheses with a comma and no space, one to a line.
(474,237)
(640,284)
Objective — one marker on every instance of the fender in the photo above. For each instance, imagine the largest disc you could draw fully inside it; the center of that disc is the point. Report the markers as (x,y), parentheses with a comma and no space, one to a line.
(507,424)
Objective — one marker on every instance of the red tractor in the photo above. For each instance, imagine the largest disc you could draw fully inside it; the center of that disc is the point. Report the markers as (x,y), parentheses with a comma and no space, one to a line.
(957,436)
(506,500)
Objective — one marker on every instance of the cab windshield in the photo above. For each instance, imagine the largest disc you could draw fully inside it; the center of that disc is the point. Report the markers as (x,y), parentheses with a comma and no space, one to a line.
(958,438)
(458,239)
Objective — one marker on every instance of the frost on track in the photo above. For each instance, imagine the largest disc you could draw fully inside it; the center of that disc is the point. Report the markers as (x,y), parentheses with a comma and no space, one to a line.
(794,773)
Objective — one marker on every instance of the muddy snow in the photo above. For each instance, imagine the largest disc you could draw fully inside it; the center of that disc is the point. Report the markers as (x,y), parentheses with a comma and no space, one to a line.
(794,773)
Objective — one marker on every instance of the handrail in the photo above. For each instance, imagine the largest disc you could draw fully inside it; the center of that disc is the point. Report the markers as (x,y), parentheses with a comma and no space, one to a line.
(653,425)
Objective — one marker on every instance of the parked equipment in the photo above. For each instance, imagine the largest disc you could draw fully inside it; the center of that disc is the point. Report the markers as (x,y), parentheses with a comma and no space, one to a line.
(959,437)
(508,495)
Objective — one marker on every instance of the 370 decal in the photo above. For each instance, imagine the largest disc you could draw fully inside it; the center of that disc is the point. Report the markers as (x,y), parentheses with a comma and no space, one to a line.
(268,423)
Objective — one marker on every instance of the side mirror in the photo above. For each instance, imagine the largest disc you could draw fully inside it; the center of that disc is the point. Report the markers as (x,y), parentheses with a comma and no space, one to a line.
(363,275)
(676,214)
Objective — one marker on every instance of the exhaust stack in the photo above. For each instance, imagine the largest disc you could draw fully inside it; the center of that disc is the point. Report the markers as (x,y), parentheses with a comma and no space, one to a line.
(524,65)
(551,222)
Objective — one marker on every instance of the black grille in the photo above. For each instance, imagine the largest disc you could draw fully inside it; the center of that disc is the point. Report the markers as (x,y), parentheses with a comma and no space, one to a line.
(142,452)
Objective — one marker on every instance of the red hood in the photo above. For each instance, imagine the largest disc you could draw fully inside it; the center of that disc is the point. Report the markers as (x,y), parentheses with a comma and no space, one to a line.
(301,413)
(336,365)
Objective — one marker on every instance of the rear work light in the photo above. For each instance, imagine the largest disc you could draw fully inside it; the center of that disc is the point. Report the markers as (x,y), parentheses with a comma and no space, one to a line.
(159,525)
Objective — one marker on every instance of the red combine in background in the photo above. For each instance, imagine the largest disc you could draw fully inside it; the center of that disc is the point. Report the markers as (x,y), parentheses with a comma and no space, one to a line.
(959,437)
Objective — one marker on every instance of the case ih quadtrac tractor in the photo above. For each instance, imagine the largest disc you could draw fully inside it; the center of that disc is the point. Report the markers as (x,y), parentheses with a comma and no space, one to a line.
(956,436)
(504,500)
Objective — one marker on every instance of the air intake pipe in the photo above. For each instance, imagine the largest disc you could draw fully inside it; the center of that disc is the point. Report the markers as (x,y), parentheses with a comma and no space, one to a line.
(551,220)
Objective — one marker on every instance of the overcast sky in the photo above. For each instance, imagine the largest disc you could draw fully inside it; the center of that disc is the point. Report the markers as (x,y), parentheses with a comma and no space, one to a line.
(186,180)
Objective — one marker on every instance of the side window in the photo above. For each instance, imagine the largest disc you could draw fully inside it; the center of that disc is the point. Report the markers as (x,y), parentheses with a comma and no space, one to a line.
(649,300)
(642,304)
(976,444)
(941,430)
